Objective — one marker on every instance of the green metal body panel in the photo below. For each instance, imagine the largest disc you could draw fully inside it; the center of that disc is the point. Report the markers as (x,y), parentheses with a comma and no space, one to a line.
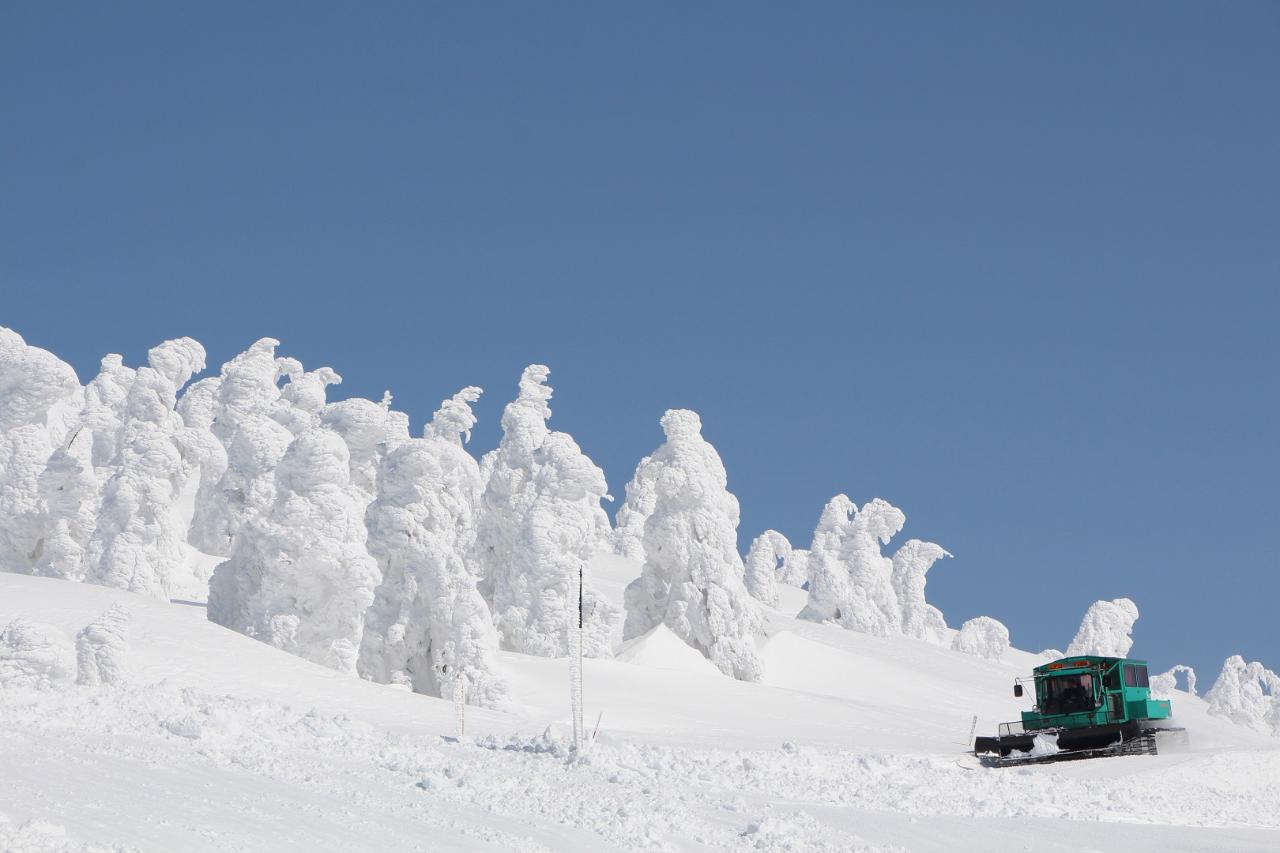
(1114,690)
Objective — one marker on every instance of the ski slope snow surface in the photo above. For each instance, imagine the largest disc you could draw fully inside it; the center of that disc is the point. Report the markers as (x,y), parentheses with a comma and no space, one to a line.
(850,742)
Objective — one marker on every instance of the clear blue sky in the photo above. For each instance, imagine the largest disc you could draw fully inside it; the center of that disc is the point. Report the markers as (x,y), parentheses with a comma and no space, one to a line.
(1014,267)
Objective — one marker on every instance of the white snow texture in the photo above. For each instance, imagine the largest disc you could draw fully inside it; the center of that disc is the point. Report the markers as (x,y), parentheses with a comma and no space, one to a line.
(766,560)
(102,647)
(35,656)
(1248,694)
(1106,630)
(982,636)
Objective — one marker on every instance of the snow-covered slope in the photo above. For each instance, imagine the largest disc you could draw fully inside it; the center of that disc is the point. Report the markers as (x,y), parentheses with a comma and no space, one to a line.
(849,742)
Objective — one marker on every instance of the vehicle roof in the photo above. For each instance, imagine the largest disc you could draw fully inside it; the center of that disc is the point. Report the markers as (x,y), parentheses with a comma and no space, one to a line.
(1073,663)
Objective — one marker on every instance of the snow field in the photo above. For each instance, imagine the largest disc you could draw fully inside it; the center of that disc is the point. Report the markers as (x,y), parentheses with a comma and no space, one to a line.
(217,742)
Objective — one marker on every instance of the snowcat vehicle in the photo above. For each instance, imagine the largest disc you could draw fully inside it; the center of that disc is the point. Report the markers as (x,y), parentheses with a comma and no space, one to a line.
(1086,706)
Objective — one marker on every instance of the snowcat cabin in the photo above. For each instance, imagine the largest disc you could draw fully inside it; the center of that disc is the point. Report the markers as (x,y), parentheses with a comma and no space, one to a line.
(1089,691)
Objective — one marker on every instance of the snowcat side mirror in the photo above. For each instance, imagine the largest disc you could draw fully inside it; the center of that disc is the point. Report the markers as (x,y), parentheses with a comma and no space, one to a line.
(1017,690)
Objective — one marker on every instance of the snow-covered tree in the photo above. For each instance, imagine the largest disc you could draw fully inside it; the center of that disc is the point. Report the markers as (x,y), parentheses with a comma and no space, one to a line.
(366,426)
(429,628)
(692,579)
(299,576)
(536,602)
(40,398)
(247,396)
(303,397)
(1106,630)
(138,542)
(1247,694)
(1163,685)
(541,521)
(102,646)
(911,563)
(795,568)
(850,580)
(628,534)
(69,495)
(982,636)
(37,656)
(105,400)
(766,559)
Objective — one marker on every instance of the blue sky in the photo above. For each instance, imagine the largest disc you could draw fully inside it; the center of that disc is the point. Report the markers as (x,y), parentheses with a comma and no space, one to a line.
(1013,267)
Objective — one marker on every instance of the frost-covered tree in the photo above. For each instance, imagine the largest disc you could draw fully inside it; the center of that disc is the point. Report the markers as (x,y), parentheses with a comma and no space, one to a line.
(40,398)
(1106,630)
(911,563)
(541,521)
(536,602)
(105,400)
(102,646)
(692,579)
(241,419)
(628,535)
(299,576)
(366,427)
(766,559)
(795,568)
(138,542)
(1163,685)
(983,637)
(850,580)
(429,628)
(303,397)
(36,656)
(69,503)
(1247,694)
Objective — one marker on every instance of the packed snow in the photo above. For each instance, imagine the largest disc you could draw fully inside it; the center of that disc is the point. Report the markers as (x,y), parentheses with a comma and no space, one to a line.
(404,671)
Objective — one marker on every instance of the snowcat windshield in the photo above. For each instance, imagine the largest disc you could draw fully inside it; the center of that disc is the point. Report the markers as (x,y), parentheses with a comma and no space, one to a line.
(1068,694)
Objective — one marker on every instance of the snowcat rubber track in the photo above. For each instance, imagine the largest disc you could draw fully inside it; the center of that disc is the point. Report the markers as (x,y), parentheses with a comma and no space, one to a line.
(1005,752)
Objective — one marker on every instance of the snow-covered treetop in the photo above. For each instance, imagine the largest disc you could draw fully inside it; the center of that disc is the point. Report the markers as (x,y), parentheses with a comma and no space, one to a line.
(1248,694)
(154,391)
(454,419)
(765,561)
(248,386)
(982,636)
(524,420)
(32,381)
(177,361)
(317,458)
(306,390)
(1106,630)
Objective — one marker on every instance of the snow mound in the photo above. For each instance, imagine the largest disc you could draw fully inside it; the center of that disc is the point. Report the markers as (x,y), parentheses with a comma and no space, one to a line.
(39,836)
(660,648)
(35,656)
(982,636)
(101,648)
